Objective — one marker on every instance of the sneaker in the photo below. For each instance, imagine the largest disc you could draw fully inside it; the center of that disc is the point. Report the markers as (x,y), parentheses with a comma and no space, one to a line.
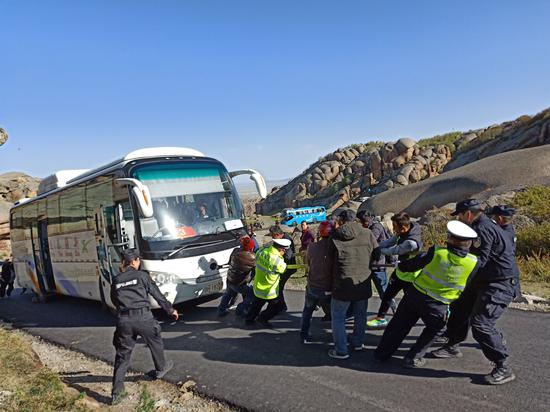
(359,348)
(411,363)
(119,397)
(222,314)
(167,368)
(447,352)
(333,354)
(326,318)
(307,340)
(441,340)
(265,323)
(377,323)
(499,375)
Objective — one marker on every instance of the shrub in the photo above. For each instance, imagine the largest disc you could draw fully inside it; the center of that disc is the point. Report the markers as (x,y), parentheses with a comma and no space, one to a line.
(447,139)
(534,240)
(534,202)
(535,268)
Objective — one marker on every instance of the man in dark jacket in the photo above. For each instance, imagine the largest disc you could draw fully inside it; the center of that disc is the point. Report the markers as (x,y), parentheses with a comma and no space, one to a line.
(378,267)
(352,246)
(241,268)
(319,278)
(130,294)
(485,299)
(7,278)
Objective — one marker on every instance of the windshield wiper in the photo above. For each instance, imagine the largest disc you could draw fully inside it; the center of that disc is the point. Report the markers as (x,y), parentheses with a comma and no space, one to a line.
(191,245)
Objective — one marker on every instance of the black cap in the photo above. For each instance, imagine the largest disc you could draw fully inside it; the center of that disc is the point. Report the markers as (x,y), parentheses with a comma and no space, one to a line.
(501,210)
(129,255)
(347,215)
(364,215)
(465,205)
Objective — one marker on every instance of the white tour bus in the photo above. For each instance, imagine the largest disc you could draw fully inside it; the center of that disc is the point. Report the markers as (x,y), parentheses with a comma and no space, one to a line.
(178,207)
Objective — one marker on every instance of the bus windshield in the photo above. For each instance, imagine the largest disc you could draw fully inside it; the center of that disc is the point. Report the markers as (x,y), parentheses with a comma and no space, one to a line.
(189,199)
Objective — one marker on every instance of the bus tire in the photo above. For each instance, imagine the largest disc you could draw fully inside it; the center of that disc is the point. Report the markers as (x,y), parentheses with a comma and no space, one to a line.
(294,224)
(314,220)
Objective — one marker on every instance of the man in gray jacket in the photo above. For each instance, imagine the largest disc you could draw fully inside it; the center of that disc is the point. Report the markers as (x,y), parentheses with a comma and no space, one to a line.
(352,246)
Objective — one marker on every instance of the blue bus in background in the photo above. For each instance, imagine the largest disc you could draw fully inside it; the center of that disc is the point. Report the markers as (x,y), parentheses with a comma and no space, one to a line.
(312,214)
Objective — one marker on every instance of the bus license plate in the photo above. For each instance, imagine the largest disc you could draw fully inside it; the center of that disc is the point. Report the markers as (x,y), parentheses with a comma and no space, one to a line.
(213,288)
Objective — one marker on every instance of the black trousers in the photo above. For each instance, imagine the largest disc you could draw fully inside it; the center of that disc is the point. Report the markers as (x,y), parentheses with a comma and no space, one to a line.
(395,286)
(5,285)
(128,328)
(282,282)
(480,306)
(273,308)
(413,306)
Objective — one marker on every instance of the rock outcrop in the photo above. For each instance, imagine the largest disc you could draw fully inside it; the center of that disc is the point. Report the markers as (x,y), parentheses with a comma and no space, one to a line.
(486,177)
(524,132)
(13,187)
(373,168)
(3,136)
(361,169)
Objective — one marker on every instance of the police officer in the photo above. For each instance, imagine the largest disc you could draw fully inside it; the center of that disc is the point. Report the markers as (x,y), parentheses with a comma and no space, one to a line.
(130,294)
(487,296)
(290,259)
(270,266)
(444,275)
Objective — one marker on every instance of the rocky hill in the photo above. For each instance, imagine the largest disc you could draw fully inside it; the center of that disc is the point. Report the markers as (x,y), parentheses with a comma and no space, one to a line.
(373,168)
(13,186)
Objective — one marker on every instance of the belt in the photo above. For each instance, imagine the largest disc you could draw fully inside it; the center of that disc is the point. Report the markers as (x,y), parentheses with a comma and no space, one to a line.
(134,312)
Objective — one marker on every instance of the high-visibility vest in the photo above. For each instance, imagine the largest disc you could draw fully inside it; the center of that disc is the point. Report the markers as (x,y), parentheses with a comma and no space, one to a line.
(269,267)
(445,277)
(408,276)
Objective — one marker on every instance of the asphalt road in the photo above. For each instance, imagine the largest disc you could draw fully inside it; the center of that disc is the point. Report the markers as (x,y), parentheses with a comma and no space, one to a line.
(270,370)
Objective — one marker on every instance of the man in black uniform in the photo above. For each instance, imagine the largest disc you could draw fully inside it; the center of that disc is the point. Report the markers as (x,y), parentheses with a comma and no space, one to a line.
(483,302)
(7,278)
(129,293)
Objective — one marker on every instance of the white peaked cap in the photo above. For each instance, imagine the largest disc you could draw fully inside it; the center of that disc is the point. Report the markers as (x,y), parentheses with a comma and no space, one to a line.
(282,243)
(461,230)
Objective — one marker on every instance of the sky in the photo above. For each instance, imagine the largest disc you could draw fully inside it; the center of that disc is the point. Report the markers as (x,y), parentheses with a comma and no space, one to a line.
(269,85)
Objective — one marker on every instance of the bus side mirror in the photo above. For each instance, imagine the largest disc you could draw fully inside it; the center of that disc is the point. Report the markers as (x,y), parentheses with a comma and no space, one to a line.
(258,179)
(141,194)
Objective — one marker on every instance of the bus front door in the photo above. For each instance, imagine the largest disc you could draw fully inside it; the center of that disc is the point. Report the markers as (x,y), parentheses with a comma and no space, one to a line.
(42,258)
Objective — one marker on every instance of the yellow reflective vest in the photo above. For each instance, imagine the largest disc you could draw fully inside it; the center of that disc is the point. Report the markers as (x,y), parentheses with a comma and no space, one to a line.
(269,267)
(445,277)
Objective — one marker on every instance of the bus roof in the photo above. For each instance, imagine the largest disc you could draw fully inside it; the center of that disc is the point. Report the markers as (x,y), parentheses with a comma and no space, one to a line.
(65,178)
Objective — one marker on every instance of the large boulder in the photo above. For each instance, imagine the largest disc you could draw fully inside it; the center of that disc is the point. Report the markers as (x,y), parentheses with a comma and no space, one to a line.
(3,136)
(499,173)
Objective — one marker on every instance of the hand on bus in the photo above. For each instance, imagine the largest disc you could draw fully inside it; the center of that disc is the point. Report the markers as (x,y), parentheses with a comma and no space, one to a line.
(175,315)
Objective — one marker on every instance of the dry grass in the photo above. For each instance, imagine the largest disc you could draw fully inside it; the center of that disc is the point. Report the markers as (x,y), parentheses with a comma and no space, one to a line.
(29,385)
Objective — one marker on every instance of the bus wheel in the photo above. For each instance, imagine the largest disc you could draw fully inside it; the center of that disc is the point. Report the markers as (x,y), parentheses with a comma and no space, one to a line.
(314,220)
(294,224)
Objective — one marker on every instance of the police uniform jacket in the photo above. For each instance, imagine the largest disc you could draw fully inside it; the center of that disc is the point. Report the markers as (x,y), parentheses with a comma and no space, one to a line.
(495,250)
(130,290)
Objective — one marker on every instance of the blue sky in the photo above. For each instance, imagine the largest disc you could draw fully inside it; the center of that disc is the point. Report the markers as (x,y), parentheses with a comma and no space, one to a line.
(268,85)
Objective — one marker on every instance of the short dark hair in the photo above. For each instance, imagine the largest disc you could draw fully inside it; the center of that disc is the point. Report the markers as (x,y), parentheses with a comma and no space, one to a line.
(401,219)
(276,230)
(364,216)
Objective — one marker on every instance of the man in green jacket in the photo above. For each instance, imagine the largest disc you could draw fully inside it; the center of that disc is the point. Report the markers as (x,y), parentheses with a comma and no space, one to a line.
(444,274)
(270,265)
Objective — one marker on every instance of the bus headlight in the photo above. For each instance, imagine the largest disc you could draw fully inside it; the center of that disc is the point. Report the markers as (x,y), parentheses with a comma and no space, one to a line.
(162,278)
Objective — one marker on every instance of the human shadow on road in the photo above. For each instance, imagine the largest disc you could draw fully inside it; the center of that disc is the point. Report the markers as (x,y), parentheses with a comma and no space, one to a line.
(229,340)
